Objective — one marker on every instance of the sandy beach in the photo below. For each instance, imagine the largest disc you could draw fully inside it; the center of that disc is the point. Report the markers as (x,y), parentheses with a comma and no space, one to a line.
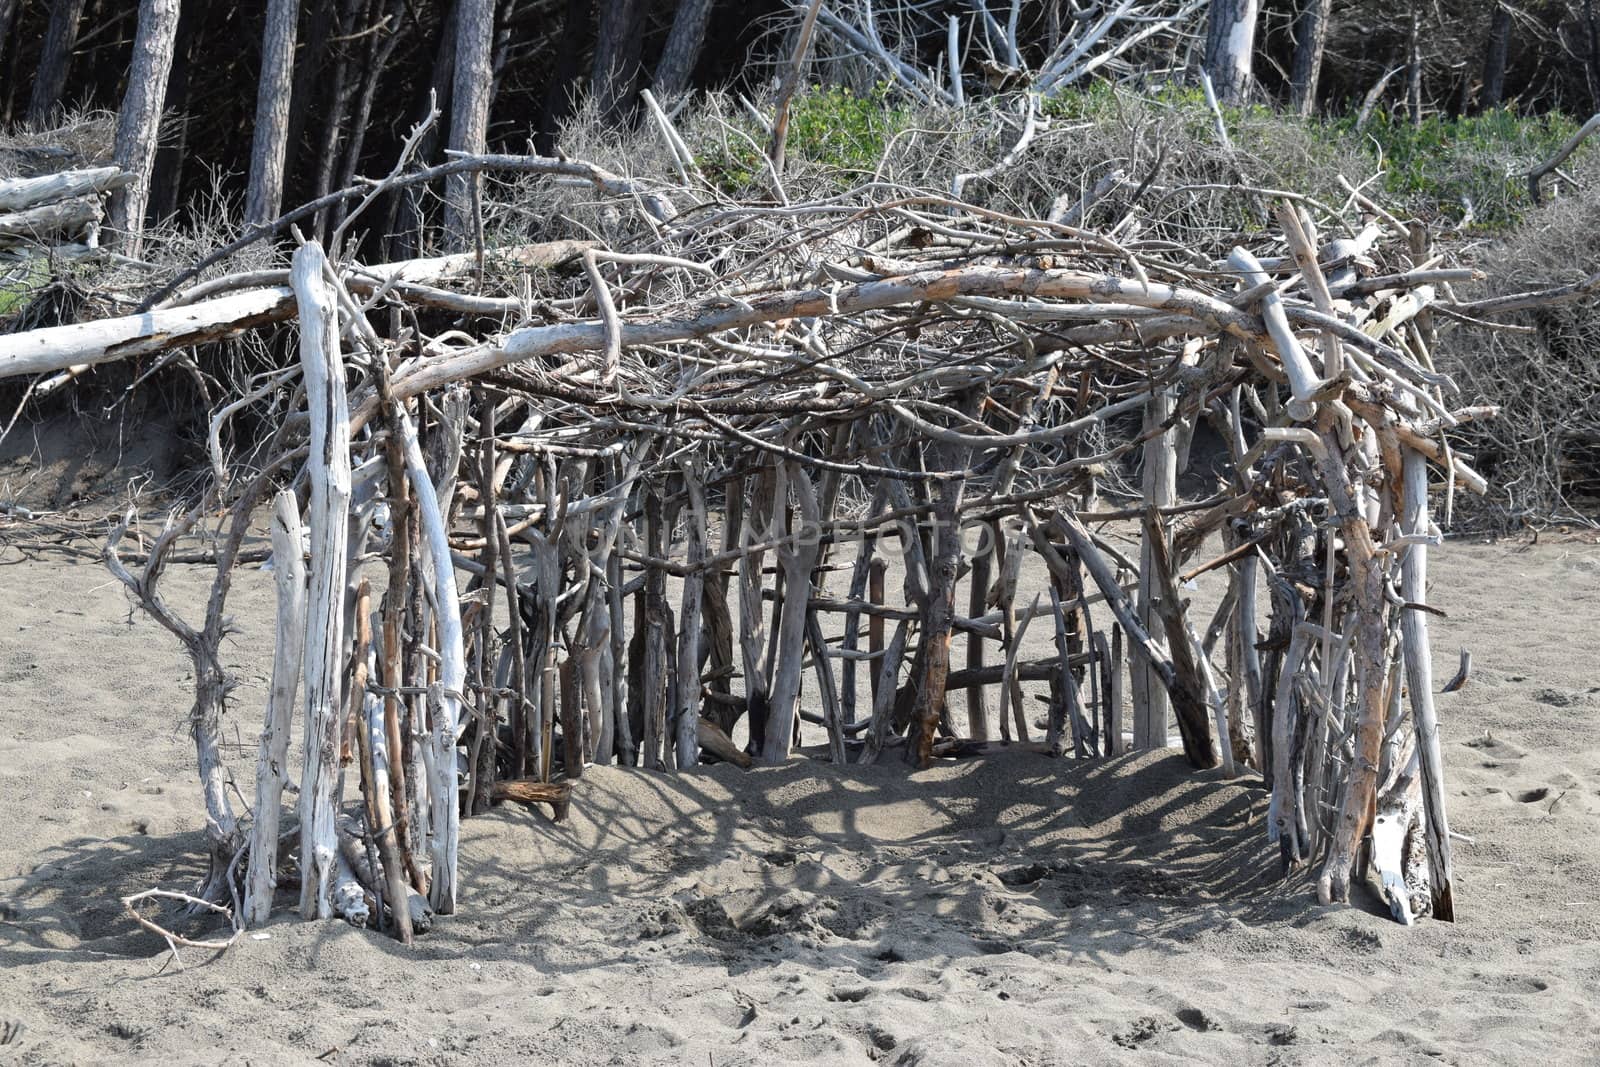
(1007,909)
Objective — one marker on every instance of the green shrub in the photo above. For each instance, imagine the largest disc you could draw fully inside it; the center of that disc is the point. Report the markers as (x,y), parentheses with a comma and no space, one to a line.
(1439,167)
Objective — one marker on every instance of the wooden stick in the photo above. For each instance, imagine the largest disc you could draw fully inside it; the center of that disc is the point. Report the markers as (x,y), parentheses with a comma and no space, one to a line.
(936,627)
(329,471)
(272,768)
(1419,681)
(1190,710)
(686,716)
(1536,175)
(445,695)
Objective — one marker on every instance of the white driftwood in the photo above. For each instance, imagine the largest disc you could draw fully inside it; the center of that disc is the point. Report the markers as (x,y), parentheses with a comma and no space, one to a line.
(1303,381)
(16,194)
(445,696)
(50,223)
(328,467)
(272,769)
(84,344)
(1398,811)
(1419,680)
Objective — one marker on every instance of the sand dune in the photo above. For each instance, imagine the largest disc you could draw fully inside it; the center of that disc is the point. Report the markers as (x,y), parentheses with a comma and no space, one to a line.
(1002,910)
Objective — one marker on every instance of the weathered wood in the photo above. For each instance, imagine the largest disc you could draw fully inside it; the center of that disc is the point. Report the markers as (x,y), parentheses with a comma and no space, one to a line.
(103,340)
(444,695)
(686,715)
(1418,657)
(372,741)
(978,605)
(49,224)
(272,767)
(798,558)
(1190,664)
(557,795)
(886,675)
(1160,484)
(328,468)
(1190,709)
(720,745)
(936,626)
(19,194)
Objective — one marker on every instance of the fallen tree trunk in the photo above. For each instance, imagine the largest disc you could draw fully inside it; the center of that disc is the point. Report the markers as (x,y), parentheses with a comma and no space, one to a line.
(17,194)
(49,223)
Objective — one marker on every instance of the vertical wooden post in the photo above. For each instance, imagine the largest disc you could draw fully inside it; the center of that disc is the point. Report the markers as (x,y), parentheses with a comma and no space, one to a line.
(272,769)
(1419,680)
(1150,704)
(686,715)
(937,620)
(977,604)
(444,697)
(329,469)
(798,557)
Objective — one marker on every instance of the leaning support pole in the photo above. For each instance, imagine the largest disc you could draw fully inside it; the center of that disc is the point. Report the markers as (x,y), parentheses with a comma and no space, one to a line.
(272,769)
(445,695)
(328,467)
(1419,680)
(937,621)
(1150,704)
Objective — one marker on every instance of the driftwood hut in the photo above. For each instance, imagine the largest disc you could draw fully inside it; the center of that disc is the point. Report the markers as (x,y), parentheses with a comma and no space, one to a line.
(777,476)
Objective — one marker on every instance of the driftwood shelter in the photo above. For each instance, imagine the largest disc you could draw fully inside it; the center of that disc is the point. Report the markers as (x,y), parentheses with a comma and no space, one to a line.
(545,506)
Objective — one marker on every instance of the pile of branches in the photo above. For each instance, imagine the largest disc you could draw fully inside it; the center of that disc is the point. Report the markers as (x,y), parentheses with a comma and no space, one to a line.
(740,399)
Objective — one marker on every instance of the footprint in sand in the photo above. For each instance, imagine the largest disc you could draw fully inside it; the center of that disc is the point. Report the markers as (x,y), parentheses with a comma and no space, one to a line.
(1496,750)
(1516,983)
(1565,698)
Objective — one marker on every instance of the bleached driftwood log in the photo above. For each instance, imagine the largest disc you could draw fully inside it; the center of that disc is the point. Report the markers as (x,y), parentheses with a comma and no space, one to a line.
(272,768)
(17,194)
(50,223)
(1419,681)
(328,467)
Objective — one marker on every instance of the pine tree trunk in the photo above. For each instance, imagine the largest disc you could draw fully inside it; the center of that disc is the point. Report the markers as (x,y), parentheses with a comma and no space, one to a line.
(616,56)
(274,91)
(308,83)
(1592,22)
(166,176)
(560,96)
(352,19)
(380,47)
(139,120)
(682,50)
(8,19)
(1414,68)
(55,59)
(1230,47)
(469,112)
(1311,38)
(1494,58)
